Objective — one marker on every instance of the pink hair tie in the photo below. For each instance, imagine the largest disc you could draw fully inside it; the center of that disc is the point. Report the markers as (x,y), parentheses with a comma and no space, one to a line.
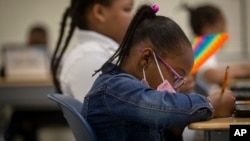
(155,8)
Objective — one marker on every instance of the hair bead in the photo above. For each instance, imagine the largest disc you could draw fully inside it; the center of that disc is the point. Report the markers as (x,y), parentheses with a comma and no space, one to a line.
(155,8)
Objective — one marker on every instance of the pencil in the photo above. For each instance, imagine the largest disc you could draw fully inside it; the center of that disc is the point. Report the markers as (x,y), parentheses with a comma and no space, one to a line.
(225,80)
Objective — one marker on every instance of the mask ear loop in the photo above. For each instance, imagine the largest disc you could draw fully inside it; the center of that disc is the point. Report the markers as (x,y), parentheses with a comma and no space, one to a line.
(157,64)
(143,69)
(143,73)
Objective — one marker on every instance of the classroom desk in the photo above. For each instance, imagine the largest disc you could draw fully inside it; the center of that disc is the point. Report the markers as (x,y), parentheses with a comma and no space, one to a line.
(218,129)
(27,93)
(29,96)
(240,82)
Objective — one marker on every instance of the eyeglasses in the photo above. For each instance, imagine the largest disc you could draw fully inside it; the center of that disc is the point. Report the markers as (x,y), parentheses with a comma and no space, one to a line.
(178,79)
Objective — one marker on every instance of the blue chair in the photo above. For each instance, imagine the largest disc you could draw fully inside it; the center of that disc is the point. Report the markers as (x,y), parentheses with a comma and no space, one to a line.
(71,109)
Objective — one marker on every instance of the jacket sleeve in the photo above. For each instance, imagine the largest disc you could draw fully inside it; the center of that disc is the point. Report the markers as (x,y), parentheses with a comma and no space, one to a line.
(129,99)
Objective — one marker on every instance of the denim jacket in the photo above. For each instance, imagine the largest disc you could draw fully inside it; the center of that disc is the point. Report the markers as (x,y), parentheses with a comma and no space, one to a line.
(121,108)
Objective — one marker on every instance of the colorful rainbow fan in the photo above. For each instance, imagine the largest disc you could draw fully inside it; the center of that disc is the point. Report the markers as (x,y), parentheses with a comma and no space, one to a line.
(205,46)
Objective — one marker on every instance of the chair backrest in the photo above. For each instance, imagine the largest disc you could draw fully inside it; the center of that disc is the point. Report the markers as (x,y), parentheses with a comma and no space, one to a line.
(71,109)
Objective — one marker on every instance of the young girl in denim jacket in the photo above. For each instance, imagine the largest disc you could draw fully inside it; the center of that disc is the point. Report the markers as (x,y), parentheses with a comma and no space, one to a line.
(136,97)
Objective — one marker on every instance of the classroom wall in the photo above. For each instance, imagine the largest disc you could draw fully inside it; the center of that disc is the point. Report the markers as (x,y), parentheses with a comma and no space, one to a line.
(248,23)
(16,16)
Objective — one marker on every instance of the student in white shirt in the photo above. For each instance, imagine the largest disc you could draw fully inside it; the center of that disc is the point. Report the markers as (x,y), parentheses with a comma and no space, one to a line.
(208,19)
(102,25)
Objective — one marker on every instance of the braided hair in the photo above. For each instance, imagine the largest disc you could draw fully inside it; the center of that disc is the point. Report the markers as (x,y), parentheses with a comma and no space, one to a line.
(164,34)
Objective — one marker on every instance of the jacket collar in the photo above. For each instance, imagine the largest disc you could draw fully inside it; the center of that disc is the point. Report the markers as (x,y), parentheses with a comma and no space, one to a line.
(112,69)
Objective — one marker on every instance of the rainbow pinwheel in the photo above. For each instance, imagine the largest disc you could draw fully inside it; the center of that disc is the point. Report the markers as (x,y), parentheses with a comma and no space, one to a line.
(205,46)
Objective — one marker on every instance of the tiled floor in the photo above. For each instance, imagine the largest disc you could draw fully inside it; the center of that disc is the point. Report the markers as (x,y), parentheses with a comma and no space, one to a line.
(57,133)
(65,134)
(52,134)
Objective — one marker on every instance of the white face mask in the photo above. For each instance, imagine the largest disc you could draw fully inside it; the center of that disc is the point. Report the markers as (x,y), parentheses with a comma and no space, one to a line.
(165,85)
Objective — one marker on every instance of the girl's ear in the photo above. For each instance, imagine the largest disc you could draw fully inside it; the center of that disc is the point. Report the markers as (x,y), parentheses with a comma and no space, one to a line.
(146,57)
(99,12)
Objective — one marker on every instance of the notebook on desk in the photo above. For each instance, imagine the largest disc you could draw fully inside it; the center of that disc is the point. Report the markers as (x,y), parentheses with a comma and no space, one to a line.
(242,103)
(242,110)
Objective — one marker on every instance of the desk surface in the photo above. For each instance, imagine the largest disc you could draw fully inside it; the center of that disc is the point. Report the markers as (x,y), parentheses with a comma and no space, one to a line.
(219,123)
(27,93)
(31,81)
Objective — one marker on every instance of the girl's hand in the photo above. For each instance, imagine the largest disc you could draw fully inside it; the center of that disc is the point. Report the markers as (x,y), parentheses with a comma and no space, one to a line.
(223,104)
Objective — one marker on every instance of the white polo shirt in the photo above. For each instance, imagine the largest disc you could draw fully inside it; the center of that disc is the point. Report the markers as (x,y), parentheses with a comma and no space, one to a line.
(91,52)
(211,63)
